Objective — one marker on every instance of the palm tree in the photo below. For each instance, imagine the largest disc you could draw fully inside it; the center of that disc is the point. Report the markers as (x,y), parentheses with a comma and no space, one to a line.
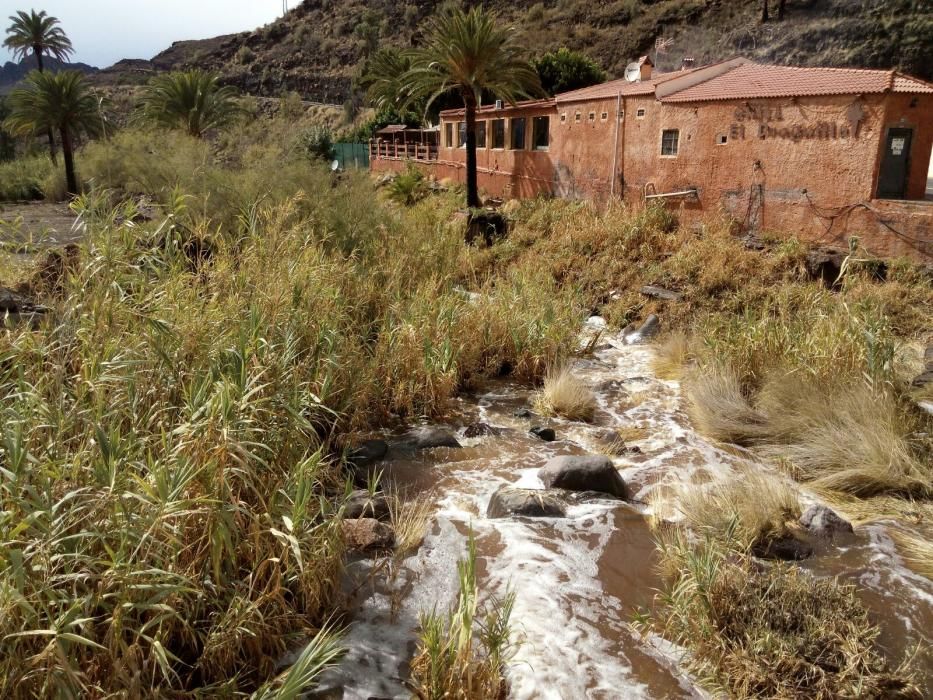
(470,54)
(191,100)
(39,34)
(56,101)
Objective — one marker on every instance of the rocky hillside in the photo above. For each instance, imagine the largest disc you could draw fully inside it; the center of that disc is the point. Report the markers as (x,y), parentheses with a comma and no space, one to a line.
(317,48)
(11,73)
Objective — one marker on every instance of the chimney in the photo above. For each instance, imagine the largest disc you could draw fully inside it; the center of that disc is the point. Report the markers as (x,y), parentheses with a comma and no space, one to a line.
(687,63)
(645,63)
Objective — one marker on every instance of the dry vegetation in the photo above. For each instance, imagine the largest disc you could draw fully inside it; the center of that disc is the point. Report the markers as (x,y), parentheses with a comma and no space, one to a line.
(169,480)
(565,394)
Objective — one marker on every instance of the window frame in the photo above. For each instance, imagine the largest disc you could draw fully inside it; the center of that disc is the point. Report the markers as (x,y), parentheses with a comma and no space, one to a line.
(461,134)
(535,123)
(641,113)
(481,133)
(671,145)
(449,135)
(513,133)
(498,122)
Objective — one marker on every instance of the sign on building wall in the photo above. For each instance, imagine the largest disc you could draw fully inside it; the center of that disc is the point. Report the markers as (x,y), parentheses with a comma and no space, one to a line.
(766,121)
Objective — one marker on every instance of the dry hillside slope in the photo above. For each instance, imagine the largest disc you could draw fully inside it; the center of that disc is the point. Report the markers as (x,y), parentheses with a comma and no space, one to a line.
(317,48)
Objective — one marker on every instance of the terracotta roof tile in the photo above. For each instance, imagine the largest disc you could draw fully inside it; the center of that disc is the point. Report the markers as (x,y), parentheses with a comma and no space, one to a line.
(752,81)
(906,83)
(614,87)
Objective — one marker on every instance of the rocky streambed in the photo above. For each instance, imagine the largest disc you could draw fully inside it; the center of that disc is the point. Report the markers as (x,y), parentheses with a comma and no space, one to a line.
(559,516)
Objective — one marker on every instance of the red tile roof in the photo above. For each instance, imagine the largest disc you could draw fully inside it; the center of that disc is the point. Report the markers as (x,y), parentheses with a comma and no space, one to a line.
(615,87)
(752,80)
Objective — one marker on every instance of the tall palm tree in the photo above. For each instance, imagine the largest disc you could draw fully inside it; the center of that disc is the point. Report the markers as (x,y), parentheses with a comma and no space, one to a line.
(191,100)
(39,34)
(470,54)
(56,101)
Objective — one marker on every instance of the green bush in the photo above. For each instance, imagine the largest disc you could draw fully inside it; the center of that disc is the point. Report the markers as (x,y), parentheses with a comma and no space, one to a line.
(318,143)
(25,178)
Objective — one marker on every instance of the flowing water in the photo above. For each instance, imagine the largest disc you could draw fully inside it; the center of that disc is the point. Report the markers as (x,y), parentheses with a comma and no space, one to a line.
(577,579)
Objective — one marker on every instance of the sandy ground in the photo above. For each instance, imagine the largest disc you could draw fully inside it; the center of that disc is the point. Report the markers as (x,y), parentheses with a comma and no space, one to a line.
(30,226)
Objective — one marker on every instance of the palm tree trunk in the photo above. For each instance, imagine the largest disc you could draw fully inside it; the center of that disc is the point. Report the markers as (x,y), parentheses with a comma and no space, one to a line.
(37,50)
(764,10)
(469,102)
(68,151)
(781,4)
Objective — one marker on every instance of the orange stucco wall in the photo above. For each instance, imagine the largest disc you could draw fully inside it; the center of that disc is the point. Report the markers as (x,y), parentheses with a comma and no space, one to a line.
(803,166)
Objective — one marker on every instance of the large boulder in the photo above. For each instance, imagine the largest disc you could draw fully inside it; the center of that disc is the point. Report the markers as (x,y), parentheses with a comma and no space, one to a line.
(368,535)
(426,437)
(529,503)
(824,522)
(367,453)
(583,473)
(546,434)
(363,504)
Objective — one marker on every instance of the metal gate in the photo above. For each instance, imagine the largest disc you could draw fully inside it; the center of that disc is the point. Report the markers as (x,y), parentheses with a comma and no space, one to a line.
(352,155)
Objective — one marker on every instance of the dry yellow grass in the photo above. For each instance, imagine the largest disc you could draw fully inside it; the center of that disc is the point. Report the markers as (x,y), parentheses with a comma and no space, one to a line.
(719,407)
(748,507)
(565,394)
(916,551)
(671,356)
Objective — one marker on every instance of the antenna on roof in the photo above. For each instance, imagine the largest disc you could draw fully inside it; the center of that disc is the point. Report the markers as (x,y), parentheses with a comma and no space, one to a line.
(633,72)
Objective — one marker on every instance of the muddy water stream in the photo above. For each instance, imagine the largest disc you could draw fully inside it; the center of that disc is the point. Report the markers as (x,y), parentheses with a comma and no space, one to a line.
(577,579)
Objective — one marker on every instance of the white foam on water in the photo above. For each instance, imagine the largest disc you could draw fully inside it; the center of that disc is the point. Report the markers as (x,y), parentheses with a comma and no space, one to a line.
(575,642)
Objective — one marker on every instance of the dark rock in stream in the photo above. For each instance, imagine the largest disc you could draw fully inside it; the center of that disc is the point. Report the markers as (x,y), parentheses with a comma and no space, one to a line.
(426,437)
(824,522)
(523,413)
(368,535)
(363,504)
(480,430)
(546,434)
(583,473)
(529,503)
(368,453)
(787,548)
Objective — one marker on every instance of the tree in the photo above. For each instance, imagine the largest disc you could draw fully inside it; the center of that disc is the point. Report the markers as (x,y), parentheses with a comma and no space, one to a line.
(764,10)
(191,100)
(56,101)
(38,34)
(564,70)
(469,54)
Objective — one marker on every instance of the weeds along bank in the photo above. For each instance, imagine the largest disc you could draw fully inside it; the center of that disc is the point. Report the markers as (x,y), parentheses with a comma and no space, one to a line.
(169,504)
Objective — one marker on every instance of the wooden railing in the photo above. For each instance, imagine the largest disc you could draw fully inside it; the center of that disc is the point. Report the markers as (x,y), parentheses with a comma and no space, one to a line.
(401,151)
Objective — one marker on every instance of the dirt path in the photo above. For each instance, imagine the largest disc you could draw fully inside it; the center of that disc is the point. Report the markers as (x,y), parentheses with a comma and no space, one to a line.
(27,227)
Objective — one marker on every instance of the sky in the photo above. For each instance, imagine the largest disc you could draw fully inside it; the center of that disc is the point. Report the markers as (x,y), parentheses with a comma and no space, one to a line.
(104,31)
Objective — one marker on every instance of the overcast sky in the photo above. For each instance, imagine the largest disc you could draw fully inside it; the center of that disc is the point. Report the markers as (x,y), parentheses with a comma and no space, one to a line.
(104,31)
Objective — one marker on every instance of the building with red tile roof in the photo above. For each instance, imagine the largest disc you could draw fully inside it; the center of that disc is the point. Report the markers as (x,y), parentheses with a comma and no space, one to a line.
(819,153)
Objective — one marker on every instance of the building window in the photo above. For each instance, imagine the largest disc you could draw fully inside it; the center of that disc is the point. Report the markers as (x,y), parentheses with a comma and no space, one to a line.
(722,140)
(621,115)
(461,134)
(540,133)
(592,116)
(577,117)
(563,117)
(669,139)
(481,134)
(518,133)
(449,135)
(640,113)
(604,117)
(498,133)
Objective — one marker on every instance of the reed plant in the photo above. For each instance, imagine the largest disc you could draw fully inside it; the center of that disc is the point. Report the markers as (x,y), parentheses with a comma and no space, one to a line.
(169,481)
(463,654)
(565,394)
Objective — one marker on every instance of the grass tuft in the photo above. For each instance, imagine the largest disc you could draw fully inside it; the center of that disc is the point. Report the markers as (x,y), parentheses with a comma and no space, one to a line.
(463,655)
(565,394)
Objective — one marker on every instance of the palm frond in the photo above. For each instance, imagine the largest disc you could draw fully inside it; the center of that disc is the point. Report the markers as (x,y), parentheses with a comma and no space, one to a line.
(60,101)
(37,32)
(192,100)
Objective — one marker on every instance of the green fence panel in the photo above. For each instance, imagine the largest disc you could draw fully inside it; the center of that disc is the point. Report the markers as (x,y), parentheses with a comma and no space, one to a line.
(352,155)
